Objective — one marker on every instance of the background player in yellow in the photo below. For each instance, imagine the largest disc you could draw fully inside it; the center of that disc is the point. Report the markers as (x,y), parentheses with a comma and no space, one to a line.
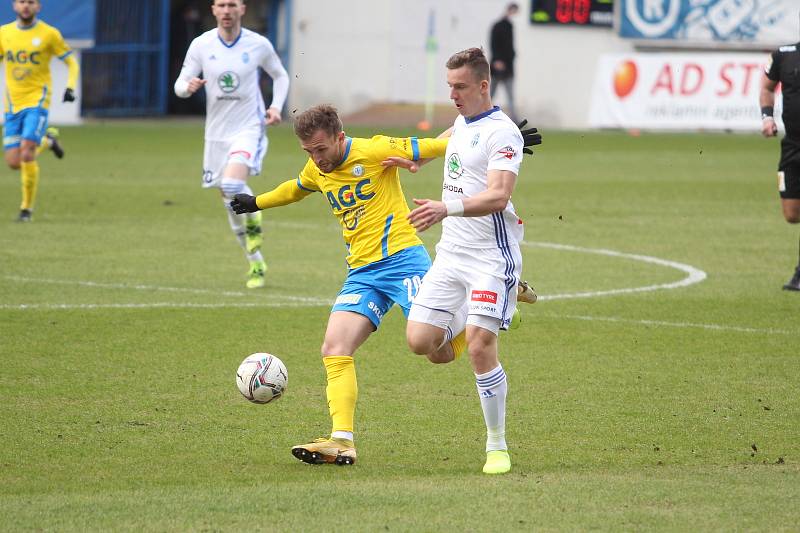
(27,45)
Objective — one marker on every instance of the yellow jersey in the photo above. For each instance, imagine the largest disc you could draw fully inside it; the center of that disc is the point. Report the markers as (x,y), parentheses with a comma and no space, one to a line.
(367,198)
(27,52)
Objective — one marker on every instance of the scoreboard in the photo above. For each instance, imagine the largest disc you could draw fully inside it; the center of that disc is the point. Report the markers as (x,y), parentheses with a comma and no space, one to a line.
(573,12)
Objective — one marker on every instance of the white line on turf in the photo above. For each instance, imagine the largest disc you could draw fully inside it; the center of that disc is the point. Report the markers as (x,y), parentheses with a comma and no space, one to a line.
(662,323)
(125,286)
(168,305)
(694,275)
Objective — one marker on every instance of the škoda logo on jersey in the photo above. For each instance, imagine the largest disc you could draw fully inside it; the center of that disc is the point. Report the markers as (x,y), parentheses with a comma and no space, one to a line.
(454,168)
(228,82)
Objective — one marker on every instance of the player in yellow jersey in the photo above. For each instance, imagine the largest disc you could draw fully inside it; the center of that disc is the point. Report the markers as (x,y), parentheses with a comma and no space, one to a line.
(386,259)
(26,46)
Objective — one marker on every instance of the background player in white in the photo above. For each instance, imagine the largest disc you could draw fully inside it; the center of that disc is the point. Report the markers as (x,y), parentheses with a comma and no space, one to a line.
(229,58)
(478,259)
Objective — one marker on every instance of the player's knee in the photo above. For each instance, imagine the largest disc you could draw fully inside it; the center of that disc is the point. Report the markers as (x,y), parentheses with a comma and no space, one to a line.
(440,358)
(421,342)
(792,216)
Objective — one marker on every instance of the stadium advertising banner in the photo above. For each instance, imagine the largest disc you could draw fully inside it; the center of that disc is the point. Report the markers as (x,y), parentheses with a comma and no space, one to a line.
(679,91)
(710,23)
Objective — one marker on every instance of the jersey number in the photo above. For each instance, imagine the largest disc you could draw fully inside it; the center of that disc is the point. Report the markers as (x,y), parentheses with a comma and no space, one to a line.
(412,286)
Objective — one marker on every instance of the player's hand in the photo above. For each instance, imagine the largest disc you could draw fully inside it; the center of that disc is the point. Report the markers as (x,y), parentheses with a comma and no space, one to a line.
(402,162)
(195,84)
(768,127)
(244,203)
(530,137)
(427,214)
(273,116)
(69,95)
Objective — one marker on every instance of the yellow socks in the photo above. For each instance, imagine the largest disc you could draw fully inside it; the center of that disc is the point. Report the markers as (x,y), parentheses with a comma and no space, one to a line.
(30,182)
(342,391)
(45,144)
(459,343)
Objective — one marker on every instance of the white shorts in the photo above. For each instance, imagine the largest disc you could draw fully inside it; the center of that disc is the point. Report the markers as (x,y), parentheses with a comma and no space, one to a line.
(249,145)
(484,278)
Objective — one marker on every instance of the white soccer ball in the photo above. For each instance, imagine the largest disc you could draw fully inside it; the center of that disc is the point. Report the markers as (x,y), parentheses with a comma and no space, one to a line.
(262,377)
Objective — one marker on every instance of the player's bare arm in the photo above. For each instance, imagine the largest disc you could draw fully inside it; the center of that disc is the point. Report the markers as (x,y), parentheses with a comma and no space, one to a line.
(492,200)
(767,101)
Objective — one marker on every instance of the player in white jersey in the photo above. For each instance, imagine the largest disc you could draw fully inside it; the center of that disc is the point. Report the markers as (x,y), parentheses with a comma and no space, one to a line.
(229,58)
(478,259)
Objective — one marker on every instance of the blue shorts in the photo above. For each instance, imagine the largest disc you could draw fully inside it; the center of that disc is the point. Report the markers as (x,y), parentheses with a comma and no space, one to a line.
(29,124)
(371,290)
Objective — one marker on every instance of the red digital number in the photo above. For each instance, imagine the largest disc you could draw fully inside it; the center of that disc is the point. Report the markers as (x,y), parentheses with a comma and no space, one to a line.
(564,11)
(581,12)
(576,11)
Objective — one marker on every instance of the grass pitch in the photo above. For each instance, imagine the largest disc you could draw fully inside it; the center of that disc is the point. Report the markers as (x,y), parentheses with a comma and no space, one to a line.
(632,406)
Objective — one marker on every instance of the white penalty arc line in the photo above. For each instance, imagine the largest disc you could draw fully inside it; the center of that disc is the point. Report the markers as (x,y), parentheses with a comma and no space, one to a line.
(156,288)
(694,275)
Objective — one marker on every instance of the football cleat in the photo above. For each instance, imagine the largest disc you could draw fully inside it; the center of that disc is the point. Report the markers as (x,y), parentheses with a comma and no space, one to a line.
(526,293)
(55,146)
(253,237)
(256,276)
(497,462)
(516,320)
(794,283)
(25,215)
(331,450)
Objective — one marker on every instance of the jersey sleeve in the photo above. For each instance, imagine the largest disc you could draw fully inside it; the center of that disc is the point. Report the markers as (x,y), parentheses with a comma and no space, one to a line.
(59,46)
(411,148)
(773,68)
(192,67)
(272,65)
(505,150)
(307,180)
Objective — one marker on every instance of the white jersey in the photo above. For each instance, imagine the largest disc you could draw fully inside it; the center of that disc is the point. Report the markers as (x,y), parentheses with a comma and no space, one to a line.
(233,95)
(489,141)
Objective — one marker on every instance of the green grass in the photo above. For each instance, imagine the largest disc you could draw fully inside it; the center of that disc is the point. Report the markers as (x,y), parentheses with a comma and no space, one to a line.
(659,410)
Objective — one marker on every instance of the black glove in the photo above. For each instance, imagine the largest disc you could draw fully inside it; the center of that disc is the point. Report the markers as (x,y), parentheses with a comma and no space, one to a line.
(530,137)
(69,95)
(244,203)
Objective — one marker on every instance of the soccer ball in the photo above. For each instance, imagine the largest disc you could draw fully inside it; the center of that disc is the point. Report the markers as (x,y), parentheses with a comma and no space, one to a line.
(262,377)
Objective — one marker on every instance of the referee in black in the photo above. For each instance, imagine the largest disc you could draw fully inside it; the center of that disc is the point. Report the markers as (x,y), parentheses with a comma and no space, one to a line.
(784,68)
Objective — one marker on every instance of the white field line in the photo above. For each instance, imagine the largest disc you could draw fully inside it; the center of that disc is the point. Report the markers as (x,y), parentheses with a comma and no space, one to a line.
(297,300)
(167,305)
(694,275)
(662,323)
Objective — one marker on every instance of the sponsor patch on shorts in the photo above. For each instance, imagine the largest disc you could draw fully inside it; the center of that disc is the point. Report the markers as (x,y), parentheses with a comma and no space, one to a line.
(484,296)
(348,299)
(781,181)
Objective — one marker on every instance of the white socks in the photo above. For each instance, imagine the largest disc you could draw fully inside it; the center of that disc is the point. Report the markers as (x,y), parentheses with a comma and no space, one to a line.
(231,187)
(492,390)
